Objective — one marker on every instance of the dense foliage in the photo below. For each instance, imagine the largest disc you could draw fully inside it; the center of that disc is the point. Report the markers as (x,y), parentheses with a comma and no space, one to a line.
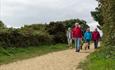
(70,23)
(97,15)
(2,26)
(36,34)
(58,31)
(23,38)
(105,15)
(104,58)
(107,8)
(99,61)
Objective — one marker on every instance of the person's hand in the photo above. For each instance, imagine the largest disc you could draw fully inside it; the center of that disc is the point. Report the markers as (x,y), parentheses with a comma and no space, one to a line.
(100,39)
(73,38)
(80,39)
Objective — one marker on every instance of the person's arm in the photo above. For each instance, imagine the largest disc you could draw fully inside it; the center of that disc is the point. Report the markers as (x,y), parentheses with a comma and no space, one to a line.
(84,36)
(91,36)
(99,36)
(72,33)
(80,33)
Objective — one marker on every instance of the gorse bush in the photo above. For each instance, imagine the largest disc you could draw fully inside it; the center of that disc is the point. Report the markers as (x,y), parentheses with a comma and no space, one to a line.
(36,34)
(17,39)
(107,8)
(31,35)
(58,31)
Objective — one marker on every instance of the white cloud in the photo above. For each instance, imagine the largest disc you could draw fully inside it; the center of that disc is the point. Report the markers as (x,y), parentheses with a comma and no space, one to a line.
(16,13)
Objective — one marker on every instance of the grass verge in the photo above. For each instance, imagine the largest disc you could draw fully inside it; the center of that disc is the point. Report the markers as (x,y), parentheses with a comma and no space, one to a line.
(8,55)
(99,60)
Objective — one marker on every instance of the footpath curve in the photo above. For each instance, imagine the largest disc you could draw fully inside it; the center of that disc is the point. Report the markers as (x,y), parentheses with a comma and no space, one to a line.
(62,60)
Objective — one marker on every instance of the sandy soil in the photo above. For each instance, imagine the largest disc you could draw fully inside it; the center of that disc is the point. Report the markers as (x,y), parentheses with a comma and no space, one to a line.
(62,60)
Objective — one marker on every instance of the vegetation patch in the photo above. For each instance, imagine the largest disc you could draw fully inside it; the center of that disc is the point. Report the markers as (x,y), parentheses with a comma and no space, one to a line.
(8,55)
(99,60)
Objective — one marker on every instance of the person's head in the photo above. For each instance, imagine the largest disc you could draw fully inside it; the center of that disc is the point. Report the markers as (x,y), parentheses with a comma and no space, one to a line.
(69,29)
(76,24)
(95,29)
(88,29)
(80,26)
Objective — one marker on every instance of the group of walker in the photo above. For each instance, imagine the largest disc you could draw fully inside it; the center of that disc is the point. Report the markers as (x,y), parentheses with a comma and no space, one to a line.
(75,33)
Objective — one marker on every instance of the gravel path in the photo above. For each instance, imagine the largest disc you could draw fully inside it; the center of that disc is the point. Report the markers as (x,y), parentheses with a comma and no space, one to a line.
(62,60)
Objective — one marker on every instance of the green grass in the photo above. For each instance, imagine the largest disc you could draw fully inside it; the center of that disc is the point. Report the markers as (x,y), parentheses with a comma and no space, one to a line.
(99,60)
(8,55)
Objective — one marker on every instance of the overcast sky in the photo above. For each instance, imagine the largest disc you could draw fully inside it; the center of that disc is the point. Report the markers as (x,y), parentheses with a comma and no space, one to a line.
(16,13)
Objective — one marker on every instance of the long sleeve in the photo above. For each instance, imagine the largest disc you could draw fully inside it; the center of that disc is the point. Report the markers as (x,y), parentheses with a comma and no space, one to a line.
(84,36)
(91,36)
(98,35)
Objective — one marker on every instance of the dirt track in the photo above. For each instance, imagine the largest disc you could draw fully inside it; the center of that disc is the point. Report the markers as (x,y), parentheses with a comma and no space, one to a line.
(62,60)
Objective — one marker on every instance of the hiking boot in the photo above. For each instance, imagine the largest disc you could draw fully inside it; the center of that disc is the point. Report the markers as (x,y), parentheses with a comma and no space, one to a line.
(81,47)
(76,50)
(88,47)
(79,50)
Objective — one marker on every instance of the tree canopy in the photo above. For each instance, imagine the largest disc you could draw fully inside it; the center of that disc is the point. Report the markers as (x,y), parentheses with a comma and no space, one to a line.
(107,21)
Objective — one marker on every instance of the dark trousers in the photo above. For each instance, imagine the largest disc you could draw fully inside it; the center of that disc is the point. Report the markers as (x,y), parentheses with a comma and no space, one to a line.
(96,44)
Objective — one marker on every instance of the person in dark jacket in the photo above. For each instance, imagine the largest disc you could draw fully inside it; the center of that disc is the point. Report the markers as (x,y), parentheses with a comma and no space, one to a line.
(77,36)
(96,37)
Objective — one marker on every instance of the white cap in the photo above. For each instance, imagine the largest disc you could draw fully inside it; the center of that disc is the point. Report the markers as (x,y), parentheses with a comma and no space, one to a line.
(76,23)
(69,28)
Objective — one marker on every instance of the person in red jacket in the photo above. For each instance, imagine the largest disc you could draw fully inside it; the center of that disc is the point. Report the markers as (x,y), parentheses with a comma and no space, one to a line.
(96,37)
(77,36)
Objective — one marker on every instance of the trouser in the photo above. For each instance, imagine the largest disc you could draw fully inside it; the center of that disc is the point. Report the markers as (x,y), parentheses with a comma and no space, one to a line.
(69,42)
(88,43)
(96,44)
(77,44)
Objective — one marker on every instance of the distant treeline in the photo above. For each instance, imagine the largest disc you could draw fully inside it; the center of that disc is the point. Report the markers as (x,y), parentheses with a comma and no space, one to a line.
(36,34)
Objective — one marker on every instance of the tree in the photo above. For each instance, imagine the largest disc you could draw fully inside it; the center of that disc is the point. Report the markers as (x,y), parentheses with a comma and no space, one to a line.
(2,25)
(97,16)
(107,11)
(71,23)
(58,29)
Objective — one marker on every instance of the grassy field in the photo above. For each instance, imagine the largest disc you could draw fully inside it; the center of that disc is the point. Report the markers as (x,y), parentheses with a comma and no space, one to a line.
(8,55)
(99,60)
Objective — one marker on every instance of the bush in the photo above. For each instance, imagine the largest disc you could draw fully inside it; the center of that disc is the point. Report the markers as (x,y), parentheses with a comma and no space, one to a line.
(36,34)
(58,31)
(17,39)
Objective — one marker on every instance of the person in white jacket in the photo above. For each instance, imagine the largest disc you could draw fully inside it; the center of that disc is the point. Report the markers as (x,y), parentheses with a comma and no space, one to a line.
(69,37)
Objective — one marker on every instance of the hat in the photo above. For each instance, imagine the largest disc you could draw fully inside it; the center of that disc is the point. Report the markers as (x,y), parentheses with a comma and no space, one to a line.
(69,28)
(76,23)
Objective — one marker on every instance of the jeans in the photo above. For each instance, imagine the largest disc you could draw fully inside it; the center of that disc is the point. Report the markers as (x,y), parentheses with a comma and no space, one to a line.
(96,44)
(77,43)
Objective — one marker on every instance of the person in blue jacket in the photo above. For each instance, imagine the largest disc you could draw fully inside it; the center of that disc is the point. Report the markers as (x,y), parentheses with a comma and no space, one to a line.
(87,38)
